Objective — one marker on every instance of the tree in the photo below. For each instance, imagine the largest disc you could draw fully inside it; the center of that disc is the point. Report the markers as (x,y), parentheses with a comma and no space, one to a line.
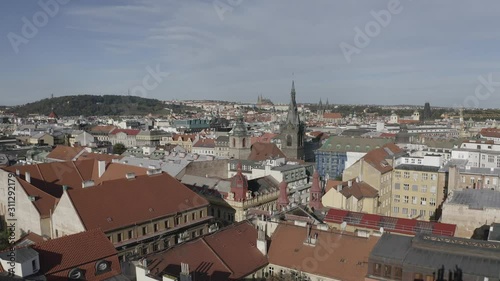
(119,148)
(4,235)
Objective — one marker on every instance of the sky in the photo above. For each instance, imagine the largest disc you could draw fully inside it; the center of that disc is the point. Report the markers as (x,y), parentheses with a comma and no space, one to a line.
(443,52)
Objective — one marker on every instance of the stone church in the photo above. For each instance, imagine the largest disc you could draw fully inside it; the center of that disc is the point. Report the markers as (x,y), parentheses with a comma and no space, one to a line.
(292,131)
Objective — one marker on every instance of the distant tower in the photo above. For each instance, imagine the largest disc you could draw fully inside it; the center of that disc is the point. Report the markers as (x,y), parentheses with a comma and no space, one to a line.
(320,109)
(283,198)
(315,192)
(239,140)
(427,114)
(239,185)
(292,131)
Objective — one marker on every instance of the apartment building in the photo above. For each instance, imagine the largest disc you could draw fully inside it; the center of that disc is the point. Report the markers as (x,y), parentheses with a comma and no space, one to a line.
(340,152)
(416,187)
(479,153)
(375,170)
(127,137)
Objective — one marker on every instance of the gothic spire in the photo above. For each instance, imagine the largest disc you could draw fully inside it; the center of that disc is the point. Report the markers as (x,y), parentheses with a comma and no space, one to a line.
(293,112)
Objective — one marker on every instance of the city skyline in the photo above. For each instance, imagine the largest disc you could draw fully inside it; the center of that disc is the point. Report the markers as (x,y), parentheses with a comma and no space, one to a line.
(212,50)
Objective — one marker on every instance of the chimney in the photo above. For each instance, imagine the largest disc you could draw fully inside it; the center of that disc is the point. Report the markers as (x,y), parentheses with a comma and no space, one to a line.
(101,167)
(262,242)
(349,183)
(185,276)
(130,176)
(27,177)
(18,172)
(88,183)
(339,187)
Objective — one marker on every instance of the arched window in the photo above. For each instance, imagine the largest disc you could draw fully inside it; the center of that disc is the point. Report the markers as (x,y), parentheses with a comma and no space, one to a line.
(288,140)
(234,142)
(243,143)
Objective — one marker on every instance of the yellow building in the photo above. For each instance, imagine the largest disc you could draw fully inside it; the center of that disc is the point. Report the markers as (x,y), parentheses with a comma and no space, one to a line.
(416,190)
(375,169)
(351,195)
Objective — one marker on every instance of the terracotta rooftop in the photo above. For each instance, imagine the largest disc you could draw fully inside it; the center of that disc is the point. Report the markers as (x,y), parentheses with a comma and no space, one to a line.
(102,129)
(50,177)
(490,132)
(377,158)
(66,153)
(43,202)
(101,206)
(357,189)
(262,151)
(337,256)
(130,132)
(82,250)
(229,254)
(332,115)
(208,143)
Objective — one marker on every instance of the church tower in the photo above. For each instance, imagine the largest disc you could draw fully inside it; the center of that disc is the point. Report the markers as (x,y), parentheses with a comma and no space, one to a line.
(239,140)
(292,131)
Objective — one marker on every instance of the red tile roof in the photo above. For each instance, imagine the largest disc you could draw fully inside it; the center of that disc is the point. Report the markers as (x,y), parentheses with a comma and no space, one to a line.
(102,206)
(343,256)
(82,250)
(66,153)
(208,143)
(262,151)
(130,132)
(229,254)
(490,132)
(332,115)
(43,202)
(377,158)
(265,138)
(390,224)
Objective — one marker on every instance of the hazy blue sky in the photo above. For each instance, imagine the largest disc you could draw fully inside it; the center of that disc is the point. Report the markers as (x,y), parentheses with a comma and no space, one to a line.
(430,50)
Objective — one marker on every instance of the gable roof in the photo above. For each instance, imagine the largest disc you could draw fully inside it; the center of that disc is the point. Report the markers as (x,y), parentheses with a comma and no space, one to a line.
(262,151)
(229,254)
(82,250)
(43,202)
(206,143)
(66,153)
(377,157)
(346,257)
(145,197)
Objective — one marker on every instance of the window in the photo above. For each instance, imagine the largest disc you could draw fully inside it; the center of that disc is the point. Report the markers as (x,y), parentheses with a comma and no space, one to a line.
(413,212)
(397,174)
(193,216)
(406,175)
(396,210)
(201,214)
(433,189)
(406,199)
(387,271)
(177,220)
(433,177)
(414,188)
(491,158)
(155,227)
(377,269)
(483,157)
(415,176)
(155,247)
(130,234)
(167,224)
(34,265)
(110,238)
(422,213)
(144,230)
(144,251)
(423,189)
(425,176)
(423,201)
(185,218)
(432,201)
(118,237)
(431,213)
(57,233)
(414,200)
(166,243)
(397,198)
(397,186)
(398,273)
(406,186)
(405,211)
